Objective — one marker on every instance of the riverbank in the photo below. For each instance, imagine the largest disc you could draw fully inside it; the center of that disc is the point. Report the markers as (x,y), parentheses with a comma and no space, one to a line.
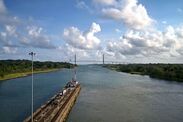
(171,72)
(24,74)
(11,69)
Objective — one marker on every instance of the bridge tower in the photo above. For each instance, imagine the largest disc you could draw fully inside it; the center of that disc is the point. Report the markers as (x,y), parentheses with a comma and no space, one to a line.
(75,67)
(103,58)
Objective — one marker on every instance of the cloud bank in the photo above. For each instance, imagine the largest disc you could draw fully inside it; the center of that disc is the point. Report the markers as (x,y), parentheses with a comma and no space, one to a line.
(139,35)
(149,43)
(17,33)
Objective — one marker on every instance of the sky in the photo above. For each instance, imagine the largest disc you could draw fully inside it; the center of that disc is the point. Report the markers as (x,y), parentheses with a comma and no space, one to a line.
(131,31)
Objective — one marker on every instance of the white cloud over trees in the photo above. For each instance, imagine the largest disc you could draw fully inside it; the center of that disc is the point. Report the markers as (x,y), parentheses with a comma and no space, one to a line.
(149,42)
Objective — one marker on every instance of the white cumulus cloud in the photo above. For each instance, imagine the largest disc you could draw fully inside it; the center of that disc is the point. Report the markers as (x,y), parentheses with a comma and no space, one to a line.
(149,43)
(105,2)
(83,40)
(133,14)
(36,38)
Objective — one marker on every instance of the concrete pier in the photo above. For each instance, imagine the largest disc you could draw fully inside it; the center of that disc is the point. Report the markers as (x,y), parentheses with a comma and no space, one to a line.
(62,115)
(58,107)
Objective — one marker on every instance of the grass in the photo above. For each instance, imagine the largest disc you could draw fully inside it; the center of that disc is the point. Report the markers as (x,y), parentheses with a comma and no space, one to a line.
(23,74)
(137,73)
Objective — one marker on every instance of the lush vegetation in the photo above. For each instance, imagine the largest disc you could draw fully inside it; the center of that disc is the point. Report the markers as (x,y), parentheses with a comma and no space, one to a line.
(17,68)
(172,72)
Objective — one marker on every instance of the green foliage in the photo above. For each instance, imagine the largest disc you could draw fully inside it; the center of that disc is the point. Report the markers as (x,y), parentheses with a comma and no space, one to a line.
(172,72)
(19,66)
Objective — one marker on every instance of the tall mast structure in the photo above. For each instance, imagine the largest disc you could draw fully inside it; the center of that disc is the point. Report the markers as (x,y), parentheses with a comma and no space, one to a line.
(103,58)
(75,67)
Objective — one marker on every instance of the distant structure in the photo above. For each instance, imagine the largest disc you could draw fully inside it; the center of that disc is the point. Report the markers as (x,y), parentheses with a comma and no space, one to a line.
(99,61)
(75,67)
(103,58)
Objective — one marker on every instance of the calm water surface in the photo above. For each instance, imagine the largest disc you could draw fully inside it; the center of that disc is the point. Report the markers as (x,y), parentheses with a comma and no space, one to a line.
(106,96)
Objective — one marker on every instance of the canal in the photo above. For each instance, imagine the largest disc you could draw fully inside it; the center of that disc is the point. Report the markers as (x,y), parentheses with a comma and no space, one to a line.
(106,96)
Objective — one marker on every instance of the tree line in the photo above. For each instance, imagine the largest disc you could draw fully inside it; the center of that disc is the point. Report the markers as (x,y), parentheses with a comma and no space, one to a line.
(19,66)
(172,72)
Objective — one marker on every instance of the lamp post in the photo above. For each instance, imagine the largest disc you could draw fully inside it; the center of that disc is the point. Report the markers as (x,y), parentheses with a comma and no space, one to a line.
(32,55)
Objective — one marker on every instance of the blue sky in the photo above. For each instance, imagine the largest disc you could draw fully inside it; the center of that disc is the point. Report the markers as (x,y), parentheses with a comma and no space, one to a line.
(123,30)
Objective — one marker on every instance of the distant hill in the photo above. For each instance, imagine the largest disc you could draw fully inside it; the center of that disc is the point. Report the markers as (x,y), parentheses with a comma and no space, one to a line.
(17,68)
(173,72)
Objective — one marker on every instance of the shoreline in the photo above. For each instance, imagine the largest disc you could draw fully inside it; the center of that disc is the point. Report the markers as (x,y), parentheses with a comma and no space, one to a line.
(25,74)
(142,74)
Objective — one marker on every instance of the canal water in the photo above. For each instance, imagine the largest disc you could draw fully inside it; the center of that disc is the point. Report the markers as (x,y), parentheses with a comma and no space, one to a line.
(106,96)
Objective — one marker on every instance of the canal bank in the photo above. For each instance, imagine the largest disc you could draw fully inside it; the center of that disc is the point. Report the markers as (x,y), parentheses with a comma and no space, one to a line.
(25,74)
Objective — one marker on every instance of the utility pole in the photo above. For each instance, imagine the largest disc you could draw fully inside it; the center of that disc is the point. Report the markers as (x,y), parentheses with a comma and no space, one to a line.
(32,101)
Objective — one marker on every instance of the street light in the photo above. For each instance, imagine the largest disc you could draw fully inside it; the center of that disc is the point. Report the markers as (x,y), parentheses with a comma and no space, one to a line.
(32,55)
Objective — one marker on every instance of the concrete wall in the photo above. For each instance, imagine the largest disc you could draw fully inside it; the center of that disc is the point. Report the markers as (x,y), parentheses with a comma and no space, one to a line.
(63,114)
